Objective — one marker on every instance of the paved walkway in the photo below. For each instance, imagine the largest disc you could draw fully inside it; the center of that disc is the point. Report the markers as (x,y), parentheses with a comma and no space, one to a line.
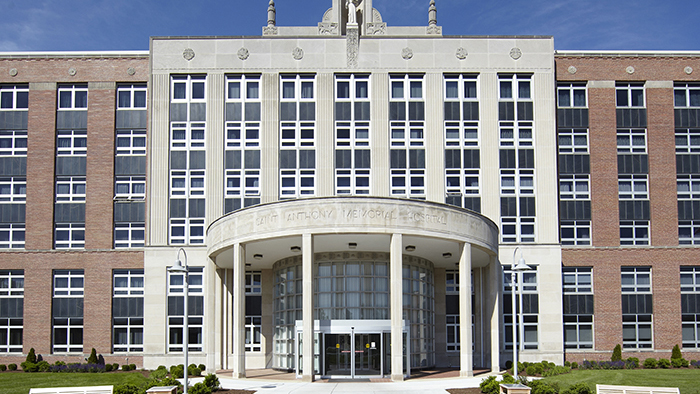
(283,385)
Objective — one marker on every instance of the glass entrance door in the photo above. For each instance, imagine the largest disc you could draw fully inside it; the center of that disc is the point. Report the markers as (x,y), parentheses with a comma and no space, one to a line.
(338,354)
(368,354)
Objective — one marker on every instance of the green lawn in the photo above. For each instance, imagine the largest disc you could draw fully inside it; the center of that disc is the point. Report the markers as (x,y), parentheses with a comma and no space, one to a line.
(687,380)
(21,382)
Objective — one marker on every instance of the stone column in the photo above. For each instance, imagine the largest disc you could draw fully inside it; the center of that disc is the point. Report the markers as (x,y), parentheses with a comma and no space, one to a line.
(494,308)
(216,142)
(396,295)
(307,268)
(238,311)
(466,356)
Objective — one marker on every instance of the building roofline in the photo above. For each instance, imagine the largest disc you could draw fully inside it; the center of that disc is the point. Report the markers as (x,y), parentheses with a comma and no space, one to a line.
(73,54)
(610,53)
(385,36)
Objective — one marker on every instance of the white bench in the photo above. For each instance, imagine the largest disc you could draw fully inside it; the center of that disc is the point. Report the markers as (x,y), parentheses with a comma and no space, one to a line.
(74,390)
(609,389)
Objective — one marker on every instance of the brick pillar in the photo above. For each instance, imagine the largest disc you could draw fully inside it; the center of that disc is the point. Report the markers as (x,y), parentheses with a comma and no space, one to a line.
(41,153)
(97,312)
(662,166)
(605,218)
(38,285)
(666,284)
(99,226)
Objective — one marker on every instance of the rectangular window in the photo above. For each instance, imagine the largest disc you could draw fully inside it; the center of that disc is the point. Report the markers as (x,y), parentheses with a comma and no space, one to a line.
(129,235)
(176,309)
(530,308)
(127,310)
(407,128)
(637,308)
(14,97)
(72,97)
(633,187)
(575,232)
(578,307)
(12,311)
(571,95)
(69,236)
(71,143)
(131,142)
(253,306)
(688,191)
(573,140)
(130,188)
(13,143)
(634,232)
(70,189)
(352,140)
(131,96)
(690,307)
(13,189)
(68,294)
(574,187)
(686,95)
(629,94)
(297,136)
(632,141)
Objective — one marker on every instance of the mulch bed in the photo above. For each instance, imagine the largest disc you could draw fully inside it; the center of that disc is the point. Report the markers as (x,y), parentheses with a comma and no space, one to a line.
(471,390)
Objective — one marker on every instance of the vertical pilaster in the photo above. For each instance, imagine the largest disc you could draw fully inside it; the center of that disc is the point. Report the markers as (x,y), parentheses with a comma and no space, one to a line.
(215,151)
(238,311)
(379,134)
(466,356)
(546,158)
(158,170)
(396,296)
(325,150)
(494,280)
(270,134)
(434,139)
(307,267)
(488,113)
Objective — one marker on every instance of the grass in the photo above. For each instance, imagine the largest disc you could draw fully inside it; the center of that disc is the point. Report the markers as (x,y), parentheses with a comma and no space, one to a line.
(21,382)
(687,380)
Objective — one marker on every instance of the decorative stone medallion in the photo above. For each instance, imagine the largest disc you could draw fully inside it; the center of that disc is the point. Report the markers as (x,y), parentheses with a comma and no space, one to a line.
(630,70)
(688,70)
(297,53)
(131,71)
(516,53)
(188,54)
(572,70)
(13,72)
(243,53)
(461,53)
(407,53)
(72,71)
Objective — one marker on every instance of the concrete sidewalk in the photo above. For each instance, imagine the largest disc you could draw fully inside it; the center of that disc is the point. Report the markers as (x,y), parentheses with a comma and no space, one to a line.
(422,386)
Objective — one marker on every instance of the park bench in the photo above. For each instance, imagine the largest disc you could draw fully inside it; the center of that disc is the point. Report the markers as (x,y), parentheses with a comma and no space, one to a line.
(609,389)
(74,390)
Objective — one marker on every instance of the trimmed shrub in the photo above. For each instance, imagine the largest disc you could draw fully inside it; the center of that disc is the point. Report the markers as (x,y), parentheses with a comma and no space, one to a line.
(177,371)
(29,367)
(159,374)
(540,387)
(578,388)
(632,363)
(557,370)
(3,367)
(534,369)
(574,365)
(31,356)
(664,363)
(59,363)
(115,367)
(43,366)
(162,367)
(202,367)
(12,367)
(92,359)
(199,388)
(108,367)
(679,362)
(126,389)
(132,367)
(509,364)
(695,364)
(617,353)
(676,352)
(490,385)
(100,359)
(650,363)
(212,381)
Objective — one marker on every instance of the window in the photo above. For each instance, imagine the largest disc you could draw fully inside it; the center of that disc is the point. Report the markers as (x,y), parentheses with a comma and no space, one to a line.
(629,94)
(686,95)
(575,232)
(578,307)
(129,235)
(298,136)
(452,309)
(130,188)
(131,96)
(407,128)
(637,308)
(634,232)
(68,293)
(530,307)
(573,140)
(176,310)
(188,88)
(72,97)
(12,310)
(13,143)
(690,307)
(69,235)
(13,189)
(70,189)
(71,143)
(633,187)
(631,141)
(352,142)
(688,191)
(127,310)
(253,307)
(131,142)
(14,97)
(571,95)
(574,187)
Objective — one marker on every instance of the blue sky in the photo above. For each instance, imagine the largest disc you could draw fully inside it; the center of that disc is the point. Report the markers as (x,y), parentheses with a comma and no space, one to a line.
(92,25)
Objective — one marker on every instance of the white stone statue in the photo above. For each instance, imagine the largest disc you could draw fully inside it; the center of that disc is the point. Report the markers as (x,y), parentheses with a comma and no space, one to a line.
(352,11)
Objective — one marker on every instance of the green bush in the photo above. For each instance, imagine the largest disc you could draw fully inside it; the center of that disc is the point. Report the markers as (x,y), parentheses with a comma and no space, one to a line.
(202,367)
(108,367)
(192,370)
(650,363)
(578,388)
(92,359)
(540,387)
(177,371)
(3,367)
(163,367)
(126,389)
(29,366)
(574,365)
(534,369)
(59,363)
(556,370)
(12,367)
(43,366)
(664,363)
(212,381)
(115,367)
(676,353)
(509,364)
(617,353)
(490,385)
(632,363)
(199,388)
(679,362)
(31,356)
(159,374)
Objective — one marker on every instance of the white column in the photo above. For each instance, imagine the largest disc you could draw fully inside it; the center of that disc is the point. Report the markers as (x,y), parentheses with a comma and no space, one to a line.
(307,267)
(466,356)
(494,308)
(396,292)
(238,311)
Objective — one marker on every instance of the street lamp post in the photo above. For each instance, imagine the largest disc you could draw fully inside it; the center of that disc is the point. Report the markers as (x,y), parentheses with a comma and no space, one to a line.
(179,268)
(519,268)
